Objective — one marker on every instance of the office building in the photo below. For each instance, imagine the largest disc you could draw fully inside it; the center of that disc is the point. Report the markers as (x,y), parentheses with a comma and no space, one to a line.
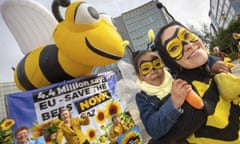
(5,89)
(134,25)
(222,12)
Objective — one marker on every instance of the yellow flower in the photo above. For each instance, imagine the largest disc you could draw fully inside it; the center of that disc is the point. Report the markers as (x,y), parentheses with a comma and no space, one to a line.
(113,107)
(103,138)
(101,116)
(131,125)
(131,137)
(44,129)
(37,130)
(7,138)
(92,134)
(7,124)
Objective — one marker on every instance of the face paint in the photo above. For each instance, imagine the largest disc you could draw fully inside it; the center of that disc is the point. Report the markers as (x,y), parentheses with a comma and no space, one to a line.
(147,66)
(175,44)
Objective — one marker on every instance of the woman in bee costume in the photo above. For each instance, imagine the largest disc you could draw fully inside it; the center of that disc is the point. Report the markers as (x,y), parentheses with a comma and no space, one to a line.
(218,121)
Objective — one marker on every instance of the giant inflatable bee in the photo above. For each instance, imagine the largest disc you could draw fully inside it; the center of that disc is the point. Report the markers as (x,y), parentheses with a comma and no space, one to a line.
(83,40)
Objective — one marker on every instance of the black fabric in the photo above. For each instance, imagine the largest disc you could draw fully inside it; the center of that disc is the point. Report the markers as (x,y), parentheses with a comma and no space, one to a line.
(50,67)
(228,133)
(202,74)
(192,119)
(22,76)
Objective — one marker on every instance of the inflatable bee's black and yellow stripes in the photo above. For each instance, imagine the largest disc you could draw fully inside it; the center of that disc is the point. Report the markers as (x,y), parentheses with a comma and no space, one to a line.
(84,39)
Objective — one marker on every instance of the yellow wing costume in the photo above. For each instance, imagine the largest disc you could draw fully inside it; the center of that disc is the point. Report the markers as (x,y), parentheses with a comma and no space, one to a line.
(228,86)
(227,61)
(236,36)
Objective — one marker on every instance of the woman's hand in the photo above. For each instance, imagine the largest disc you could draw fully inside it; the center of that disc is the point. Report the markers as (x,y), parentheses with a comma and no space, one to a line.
(218,67)
(180,89)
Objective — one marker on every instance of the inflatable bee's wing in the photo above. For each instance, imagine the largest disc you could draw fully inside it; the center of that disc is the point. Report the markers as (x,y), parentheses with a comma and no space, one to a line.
(31,24)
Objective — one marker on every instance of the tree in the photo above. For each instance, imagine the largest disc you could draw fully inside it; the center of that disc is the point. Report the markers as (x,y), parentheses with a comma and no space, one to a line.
(224,38)
(203,33)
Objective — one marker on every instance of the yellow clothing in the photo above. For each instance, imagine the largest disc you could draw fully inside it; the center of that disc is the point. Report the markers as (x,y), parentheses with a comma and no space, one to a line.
(222,122)
(237,36)
(117,130)
(229,87)
(73,135)
(160,91)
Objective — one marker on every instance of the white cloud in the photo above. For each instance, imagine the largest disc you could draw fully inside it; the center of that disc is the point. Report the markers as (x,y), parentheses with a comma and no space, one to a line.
(192,12)
(189,11)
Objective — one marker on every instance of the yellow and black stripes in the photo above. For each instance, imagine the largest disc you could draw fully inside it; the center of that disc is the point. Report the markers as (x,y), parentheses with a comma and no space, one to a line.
(78,47)
(46,65)
(20,76)
(50,66)
(228,133)
(222,123)
(43,65)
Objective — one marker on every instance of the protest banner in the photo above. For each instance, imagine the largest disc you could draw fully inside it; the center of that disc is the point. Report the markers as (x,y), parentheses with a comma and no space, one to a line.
(95,94)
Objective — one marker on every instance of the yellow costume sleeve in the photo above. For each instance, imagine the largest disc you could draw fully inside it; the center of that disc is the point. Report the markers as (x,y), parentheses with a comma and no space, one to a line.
(113,136)
(59,135)
(228,86)
(227,61)
(238,36)
(125,128)
(84,121)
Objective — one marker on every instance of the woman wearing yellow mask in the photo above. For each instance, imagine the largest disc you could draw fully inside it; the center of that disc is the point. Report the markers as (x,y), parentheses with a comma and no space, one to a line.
(185,54)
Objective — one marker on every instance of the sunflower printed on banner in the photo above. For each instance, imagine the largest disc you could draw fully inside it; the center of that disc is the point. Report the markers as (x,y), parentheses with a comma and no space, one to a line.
(6,133)
(131,137)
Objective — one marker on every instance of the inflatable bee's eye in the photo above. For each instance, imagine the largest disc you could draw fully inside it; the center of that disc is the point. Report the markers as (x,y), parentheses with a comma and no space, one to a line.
(108,18)
(86,14)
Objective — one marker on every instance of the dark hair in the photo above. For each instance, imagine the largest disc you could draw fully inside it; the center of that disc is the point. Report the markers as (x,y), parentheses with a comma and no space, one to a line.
(158,40)
(114,116)
(157,46)
(61,111)
(20,129)
(135,58)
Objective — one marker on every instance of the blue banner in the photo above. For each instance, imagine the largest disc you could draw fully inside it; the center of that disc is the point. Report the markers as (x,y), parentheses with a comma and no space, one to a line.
(93,94)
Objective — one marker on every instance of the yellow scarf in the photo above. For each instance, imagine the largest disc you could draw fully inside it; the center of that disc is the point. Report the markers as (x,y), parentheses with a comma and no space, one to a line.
(160,91)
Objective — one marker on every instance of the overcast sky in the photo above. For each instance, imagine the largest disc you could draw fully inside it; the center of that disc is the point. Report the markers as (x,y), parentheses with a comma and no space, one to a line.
(194,12)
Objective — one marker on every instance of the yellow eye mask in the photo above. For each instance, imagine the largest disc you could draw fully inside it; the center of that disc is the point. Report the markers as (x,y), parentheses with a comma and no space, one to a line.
(147,66)
(175,44)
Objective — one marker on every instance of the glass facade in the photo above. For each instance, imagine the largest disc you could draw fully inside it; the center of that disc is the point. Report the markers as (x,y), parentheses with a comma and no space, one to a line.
(222,12)
(5,89)
(133,26)
(140,20)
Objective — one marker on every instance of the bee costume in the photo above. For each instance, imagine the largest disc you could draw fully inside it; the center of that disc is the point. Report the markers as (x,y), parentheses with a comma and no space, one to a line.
(218,121)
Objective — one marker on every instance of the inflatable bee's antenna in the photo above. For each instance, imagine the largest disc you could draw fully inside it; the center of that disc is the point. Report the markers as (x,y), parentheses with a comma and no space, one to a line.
(55,8)
(160,6)
(130,49)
